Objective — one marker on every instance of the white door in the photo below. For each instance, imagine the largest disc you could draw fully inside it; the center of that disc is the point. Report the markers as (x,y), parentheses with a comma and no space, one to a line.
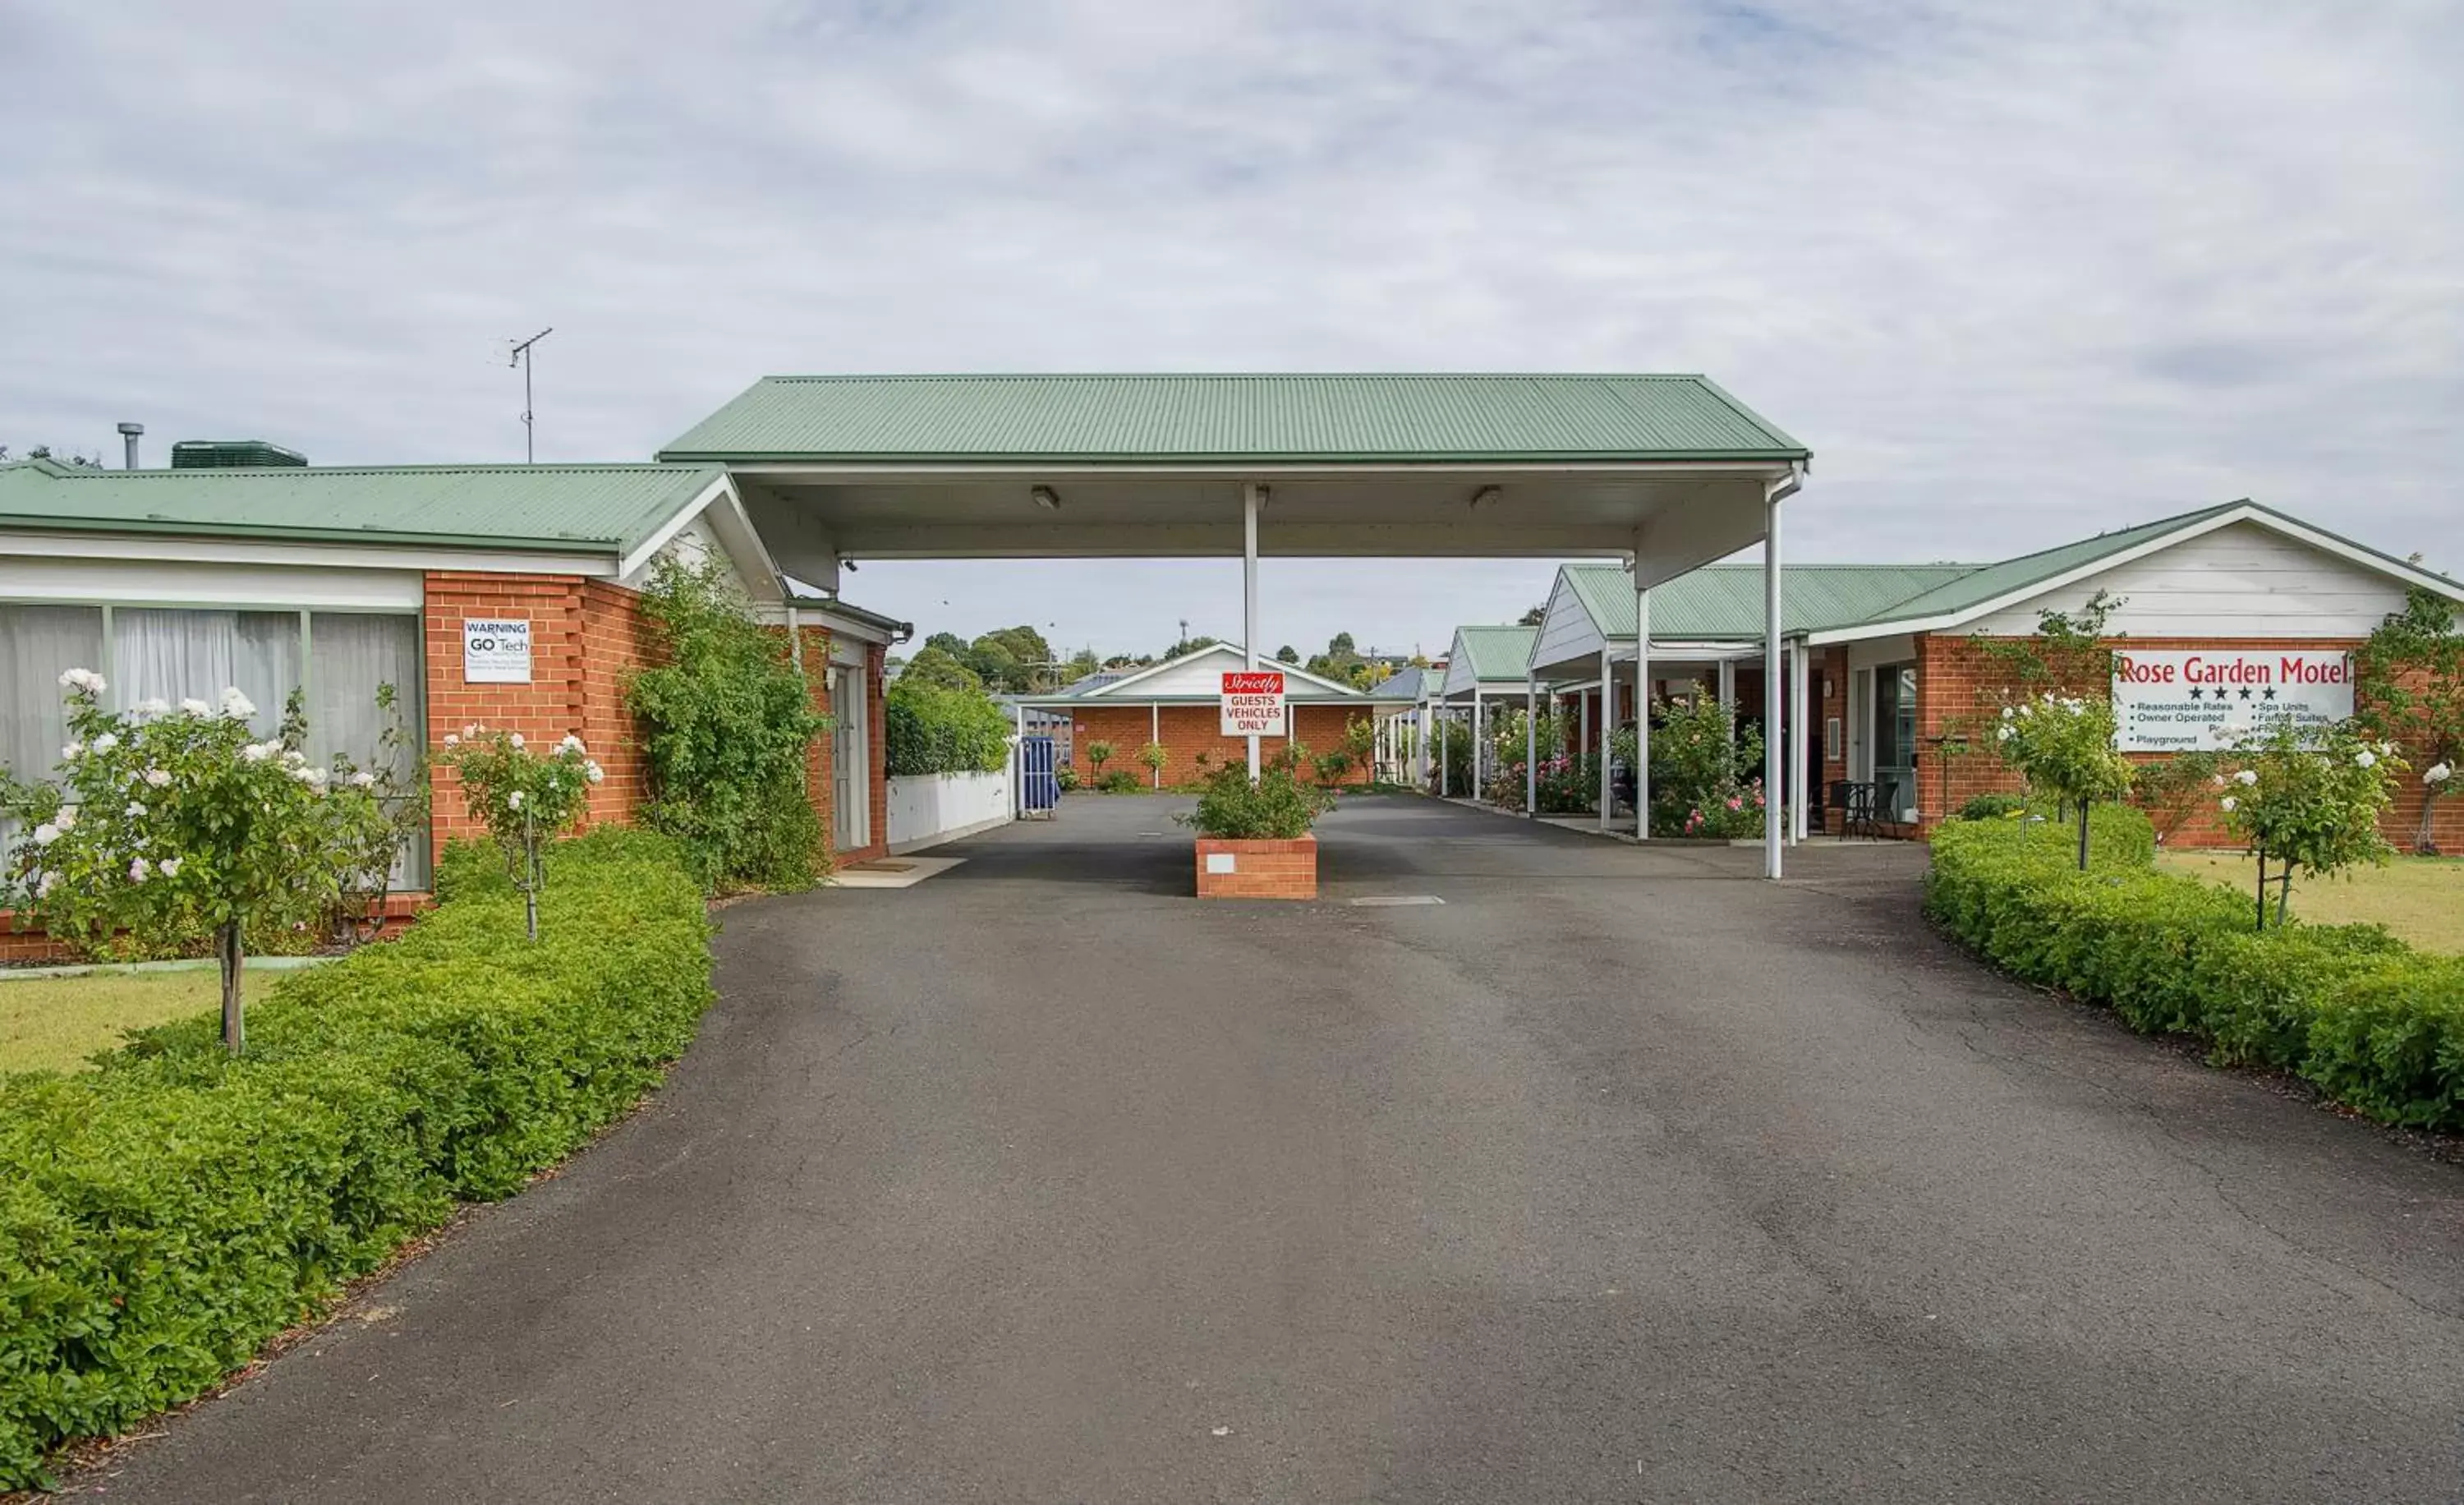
(850,805)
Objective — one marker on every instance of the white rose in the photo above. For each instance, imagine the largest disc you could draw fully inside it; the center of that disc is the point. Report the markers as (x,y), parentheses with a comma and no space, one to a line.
(46,833)
(2003,736)
(106,741)
(158,778)
(152,706)
(2436,773)
(591,771)
(137,870)
(571,743)
(471,730)
(363,779)
(72,752)
(514,801)
(67,817)
(43,888)
(453,740)
(2247,777)
(134,810)
(192,706)
(169,868)
(2227,803)
(256,752)
(2218,780)
(235,706)
(2366,758)
(2007,713)
(517,740)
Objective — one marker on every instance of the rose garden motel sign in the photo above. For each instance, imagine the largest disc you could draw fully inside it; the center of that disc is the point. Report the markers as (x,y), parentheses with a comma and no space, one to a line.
(1667,513)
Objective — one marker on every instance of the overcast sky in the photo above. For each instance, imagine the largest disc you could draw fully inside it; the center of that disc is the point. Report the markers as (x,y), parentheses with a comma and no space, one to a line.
(2014,272)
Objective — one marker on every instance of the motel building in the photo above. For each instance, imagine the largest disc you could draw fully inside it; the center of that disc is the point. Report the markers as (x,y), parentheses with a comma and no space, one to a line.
(2225,616)
(505,595)
(1175,704)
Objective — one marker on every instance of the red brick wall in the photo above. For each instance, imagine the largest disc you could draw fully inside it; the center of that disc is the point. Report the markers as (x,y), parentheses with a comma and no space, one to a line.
(1262,869)
(1189,730)
(1952,670)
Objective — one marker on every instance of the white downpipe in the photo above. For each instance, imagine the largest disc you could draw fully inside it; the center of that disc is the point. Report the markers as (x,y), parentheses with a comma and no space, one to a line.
(1253,496)
(1728,684)
(1154,733)
(1607,720)
(1641,708)
(1531,747)
(1478,745)
(1442,790)
(1017,763)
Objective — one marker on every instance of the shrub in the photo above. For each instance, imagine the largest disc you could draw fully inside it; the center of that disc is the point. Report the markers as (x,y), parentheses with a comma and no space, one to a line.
(1121,781)
(1098,753)
(163,1216)
(1064,778)
(524,798)
(169,822)
(727,729)
(1278,807)
(1333,766)
(1153,756)
(2063,746)
(932,729)
(1992,808)
(2348,1008)
(2308,797)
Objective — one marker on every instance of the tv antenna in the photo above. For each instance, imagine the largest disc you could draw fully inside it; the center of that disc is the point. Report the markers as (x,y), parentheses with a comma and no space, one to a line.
(523,358)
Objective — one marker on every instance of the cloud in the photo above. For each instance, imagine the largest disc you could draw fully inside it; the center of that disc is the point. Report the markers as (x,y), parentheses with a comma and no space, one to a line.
(2014,272)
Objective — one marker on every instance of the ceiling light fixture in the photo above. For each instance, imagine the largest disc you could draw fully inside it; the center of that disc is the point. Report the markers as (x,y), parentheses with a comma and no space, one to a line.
(1046,497)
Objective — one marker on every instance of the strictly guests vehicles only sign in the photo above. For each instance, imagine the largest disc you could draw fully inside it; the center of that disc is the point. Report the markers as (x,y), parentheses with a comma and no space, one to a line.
(1253,703)
(2168,699)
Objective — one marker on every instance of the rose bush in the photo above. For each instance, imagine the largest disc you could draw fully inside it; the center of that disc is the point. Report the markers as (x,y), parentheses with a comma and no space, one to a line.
(2062,744)
(169,823)
(2308,797)
(524,798)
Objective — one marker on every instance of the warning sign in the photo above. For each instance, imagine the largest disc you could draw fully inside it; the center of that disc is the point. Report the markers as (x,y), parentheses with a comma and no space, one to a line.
(1253,703)
(496,651)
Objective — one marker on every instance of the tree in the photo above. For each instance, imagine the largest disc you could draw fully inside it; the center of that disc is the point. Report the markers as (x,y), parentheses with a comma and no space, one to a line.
(1098,753)
(2309,797)
(1287,655)
(938,666)
(950,643)
(166,822)
(1188,645)
(1083,663)
(2409,691)
(1533,617)
(523,797)
(2063,746)
(43,452)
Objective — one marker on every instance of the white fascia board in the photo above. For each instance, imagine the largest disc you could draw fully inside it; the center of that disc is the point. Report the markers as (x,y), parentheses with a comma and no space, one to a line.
(2299,531)
(346,556)
(818,613)
(823,472)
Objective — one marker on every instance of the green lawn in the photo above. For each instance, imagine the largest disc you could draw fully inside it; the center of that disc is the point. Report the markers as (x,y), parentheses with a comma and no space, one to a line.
(2420,898)
(57,1022)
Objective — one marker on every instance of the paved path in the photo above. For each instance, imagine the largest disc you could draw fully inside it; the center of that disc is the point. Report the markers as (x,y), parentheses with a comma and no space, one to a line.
(1620,1176)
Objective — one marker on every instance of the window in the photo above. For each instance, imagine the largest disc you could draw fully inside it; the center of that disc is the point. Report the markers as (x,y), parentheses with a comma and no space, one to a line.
(335,659)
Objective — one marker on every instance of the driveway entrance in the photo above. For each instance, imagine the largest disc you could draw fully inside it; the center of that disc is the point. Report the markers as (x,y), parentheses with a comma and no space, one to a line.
(1597,1182)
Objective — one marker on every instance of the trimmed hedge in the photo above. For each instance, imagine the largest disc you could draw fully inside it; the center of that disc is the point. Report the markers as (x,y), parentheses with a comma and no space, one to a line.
(930,729)
(165,1215)
(2370,1021)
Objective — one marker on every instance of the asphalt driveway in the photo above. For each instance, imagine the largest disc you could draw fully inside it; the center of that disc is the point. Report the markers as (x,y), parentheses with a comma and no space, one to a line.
(1617,1175)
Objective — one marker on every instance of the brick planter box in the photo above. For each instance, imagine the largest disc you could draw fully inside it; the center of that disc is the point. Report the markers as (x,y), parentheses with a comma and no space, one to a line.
(1257,869)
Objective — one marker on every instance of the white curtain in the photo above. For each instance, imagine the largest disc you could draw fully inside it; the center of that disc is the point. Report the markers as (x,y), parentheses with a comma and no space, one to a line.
(36,645)
(176,655)
(351,655)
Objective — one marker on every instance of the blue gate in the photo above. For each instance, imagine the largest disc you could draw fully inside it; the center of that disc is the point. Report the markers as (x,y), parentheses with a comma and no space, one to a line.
(1038,786)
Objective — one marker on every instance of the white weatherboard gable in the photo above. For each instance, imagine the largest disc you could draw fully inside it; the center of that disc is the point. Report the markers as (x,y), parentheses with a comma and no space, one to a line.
(2246,579)
(1199,676)
(1567,634)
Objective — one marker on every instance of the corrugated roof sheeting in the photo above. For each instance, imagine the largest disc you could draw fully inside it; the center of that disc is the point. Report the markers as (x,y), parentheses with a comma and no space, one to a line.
(1497,653)
(1279,417)
(1727,600)
(606,508)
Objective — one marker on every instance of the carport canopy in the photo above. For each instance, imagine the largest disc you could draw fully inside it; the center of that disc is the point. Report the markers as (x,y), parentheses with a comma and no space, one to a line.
(1667,471)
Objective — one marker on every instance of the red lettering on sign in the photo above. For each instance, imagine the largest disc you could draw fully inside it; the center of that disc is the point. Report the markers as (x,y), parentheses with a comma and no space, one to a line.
(1253,682)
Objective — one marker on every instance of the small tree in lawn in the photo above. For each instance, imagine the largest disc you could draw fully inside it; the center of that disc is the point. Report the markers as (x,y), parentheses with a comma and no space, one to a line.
(2063,746)
(525,799)
(2309,797)
(1098,753)
(2409,691)
(170,823)
(1152,758)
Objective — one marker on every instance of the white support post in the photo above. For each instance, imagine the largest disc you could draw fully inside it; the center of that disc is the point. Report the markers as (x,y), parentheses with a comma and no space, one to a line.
(1252,496)
(1728,684)
(1608,723)
(1771,665)
(1154,733)
(1477,744)
(1442,782)
(1531,747)
(1642,709)
(1017,763)
(1800,802)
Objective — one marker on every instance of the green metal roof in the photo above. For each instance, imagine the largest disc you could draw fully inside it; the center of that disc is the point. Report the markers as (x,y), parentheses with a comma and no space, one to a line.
(1196,418)
(1726,601)
(552,508)
(1498,653)
(1993,580)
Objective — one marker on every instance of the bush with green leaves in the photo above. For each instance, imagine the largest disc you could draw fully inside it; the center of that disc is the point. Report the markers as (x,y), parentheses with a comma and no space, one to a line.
(2062,744)
(1992,808)
(726,725)
(167,822)
(1151,758)
(165,1215)
(1120,781)
(1099,753)
(525,798)
(1278,807)
(2409,691)
(1705,770)
(2348,1008)
(932,728)
(2308,797)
